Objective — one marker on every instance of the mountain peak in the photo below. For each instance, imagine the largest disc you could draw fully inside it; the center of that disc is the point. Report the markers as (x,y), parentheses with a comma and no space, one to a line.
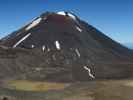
(65,48)
(50,22)
(63,13)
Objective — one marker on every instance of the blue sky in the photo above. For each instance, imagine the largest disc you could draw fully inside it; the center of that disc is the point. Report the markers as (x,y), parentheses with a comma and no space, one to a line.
(112,17)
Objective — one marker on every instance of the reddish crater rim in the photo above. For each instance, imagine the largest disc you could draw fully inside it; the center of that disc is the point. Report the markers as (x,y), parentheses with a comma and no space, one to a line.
(58,18)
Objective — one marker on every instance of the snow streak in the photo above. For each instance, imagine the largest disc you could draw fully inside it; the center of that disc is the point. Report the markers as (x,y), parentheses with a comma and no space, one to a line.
(25,37)
(89,72)
(34,23)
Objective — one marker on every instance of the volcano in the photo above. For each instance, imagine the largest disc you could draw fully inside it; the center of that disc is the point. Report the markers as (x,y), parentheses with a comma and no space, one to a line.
(62,47)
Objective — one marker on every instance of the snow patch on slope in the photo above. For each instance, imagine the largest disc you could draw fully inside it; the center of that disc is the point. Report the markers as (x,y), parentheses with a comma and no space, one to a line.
(34,23)
(61,13)
(57,44)
(67,14)
(43,48)
(79,29)
(72,16)
(21,40)
(89,72)
(77,52)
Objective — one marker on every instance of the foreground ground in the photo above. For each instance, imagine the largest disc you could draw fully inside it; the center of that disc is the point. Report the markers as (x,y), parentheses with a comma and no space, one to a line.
(94,90)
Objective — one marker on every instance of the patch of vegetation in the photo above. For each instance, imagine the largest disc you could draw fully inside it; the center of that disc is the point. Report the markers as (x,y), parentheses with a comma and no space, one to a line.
(26,85)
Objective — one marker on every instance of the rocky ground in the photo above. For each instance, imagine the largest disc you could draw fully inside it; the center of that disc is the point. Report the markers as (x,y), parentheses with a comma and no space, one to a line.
(93,90)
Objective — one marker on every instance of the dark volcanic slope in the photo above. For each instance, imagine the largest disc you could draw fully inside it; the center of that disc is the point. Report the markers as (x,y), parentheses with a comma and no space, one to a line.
(61,47)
